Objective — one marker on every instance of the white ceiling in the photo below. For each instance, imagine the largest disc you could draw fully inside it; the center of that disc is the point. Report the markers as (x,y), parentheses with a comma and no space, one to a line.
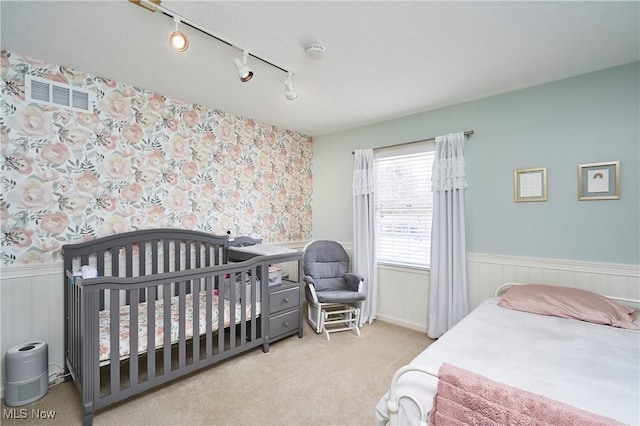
(384,59)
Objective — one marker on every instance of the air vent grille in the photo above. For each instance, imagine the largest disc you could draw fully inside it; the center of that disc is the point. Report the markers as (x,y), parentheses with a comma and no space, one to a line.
(54,93)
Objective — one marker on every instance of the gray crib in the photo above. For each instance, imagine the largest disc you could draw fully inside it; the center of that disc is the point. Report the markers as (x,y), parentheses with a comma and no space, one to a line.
(165,302)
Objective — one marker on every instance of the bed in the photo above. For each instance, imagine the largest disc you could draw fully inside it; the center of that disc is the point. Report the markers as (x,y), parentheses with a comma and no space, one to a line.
(592,368)
(149,306)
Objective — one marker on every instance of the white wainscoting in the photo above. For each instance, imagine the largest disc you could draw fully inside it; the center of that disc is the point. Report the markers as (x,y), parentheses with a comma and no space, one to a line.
(403,293)
(32,307)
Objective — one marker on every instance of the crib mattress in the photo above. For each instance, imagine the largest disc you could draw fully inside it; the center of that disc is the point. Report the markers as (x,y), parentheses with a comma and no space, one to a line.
(125,327)
(589,366)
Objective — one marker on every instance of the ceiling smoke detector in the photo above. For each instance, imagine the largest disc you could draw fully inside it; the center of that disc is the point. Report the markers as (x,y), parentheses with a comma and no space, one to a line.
(315,51)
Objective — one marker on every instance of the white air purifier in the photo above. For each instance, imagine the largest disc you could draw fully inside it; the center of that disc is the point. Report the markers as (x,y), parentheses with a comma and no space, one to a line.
(26,373)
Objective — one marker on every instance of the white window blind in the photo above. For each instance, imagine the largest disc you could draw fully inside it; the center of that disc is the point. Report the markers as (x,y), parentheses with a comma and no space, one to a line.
(404,205)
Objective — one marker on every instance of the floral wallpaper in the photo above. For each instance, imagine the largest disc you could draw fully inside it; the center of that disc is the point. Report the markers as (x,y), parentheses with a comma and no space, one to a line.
(139,160)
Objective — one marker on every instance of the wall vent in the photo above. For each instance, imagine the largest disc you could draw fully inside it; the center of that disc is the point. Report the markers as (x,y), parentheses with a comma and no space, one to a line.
(52,92)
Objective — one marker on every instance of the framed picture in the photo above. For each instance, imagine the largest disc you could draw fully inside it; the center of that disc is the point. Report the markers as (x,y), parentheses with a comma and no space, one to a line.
(530,184)
(599,181)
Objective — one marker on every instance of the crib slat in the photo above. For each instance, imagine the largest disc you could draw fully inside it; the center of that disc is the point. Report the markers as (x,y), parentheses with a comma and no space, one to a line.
(243,304)
(114,340)
(128,249)
(196,320)
(166,354)
(220,318)
(142,266)
(151,333)
(182,318)
(233,279)
(187,265)
(209,306)
(165,254)
(133,338)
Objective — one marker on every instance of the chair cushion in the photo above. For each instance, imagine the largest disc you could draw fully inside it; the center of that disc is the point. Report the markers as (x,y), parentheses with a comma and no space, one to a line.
(339,296)
(326,262)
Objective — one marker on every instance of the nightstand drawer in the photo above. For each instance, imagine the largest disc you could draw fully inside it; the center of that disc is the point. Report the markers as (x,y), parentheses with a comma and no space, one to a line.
(284,299)
(284,323)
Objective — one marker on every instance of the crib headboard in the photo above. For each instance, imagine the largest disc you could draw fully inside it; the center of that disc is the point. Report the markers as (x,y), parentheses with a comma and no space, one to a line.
(146,252)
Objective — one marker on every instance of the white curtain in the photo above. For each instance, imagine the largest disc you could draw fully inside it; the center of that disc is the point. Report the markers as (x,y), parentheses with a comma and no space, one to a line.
(448,290)
(364,258)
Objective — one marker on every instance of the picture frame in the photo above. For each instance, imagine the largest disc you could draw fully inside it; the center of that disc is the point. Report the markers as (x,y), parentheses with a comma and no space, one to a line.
(599,181)
(530,185)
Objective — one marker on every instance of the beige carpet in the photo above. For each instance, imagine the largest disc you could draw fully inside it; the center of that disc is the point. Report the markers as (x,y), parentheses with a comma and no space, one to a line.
(306,381)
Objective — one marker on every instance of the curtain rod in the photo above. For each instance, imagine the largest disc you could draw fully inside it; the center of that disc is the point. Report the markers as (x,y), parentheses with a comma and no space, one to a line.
(467,134)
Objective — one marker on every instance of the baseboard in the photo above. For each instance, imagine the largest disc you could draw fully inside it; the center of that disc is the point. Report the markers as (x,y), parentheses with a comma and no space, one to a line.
(402,323)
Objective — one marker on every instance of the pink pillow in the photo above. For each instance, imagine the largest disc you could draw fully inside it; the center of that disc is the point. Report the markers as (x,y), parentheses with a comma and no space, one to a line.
(568,302)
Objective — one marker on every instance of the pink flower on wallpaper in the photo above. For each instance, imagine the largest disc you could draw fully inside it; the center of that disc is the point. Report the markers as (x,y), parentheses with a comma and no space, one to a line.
(190,169)
(133,133)
(200,206)
(171,178)
(224,179)
(147,120)
(156,103)
(189,221)
(147,177)
(115,105)
(155,159)
(234,152)
(269,220)
(208,191)
(132,192)
(60,78)
(270,137)
(19,237)
(225,132)
(190,117)
(19,163)
(155,216)
(90,121)
(33,194)
(76,204)
(270,180)
(208,141)
(107,203)
(234,198)
(115,224)
(116,167)
(87,182)
(178,147)
(32,256)
(49,245)
(263,162)
(55,223)
(200,156)
(33,121)
(55,153)
(177,200)
(74,75)
(76,137)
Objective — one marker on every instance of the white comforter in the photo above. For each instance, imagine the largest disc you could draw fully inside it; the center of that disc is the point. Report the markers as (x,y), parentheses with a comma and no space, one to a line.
(590,366)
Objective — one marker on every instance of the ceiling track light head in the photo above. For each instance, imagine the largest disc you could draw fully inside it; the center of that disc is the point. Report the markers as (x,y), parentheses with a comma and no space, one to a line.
(244,72)
(290,91)
(177,39)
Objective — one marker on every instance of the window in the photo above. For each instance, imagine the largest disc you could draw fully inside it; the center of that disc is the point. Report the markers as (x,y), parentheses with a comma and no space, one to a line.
(404,205)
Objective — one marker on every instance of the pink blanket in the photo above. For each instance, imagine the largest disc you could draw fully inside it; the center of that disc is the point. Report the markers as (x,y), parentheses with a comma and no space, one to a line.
(466,398)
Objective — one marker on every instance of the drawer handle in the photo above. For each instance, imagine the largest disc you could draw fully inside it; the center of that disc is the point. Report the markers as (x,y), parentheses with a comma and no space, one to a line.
(286,300)
(286,324)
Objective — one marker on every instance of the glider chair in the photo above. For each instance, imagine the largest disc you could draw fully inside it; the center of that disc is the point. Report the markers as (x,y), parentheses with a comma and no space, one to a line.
(334,295)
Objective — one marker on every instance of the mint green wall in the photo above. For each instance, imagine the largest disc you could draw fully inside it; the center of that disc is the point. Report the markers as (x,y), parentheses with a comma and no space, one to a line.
(585,119)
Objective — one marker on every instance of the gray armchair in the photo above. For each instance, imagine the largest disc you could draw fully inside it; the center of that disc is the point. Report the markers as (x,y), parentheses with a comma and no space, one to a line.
(334,295)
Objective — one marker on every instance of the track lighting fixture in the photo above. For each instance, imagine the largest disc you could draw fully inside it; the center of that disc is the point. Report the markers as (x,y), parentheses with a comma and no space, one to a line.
(177,39)
(290,91)
(244,72)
